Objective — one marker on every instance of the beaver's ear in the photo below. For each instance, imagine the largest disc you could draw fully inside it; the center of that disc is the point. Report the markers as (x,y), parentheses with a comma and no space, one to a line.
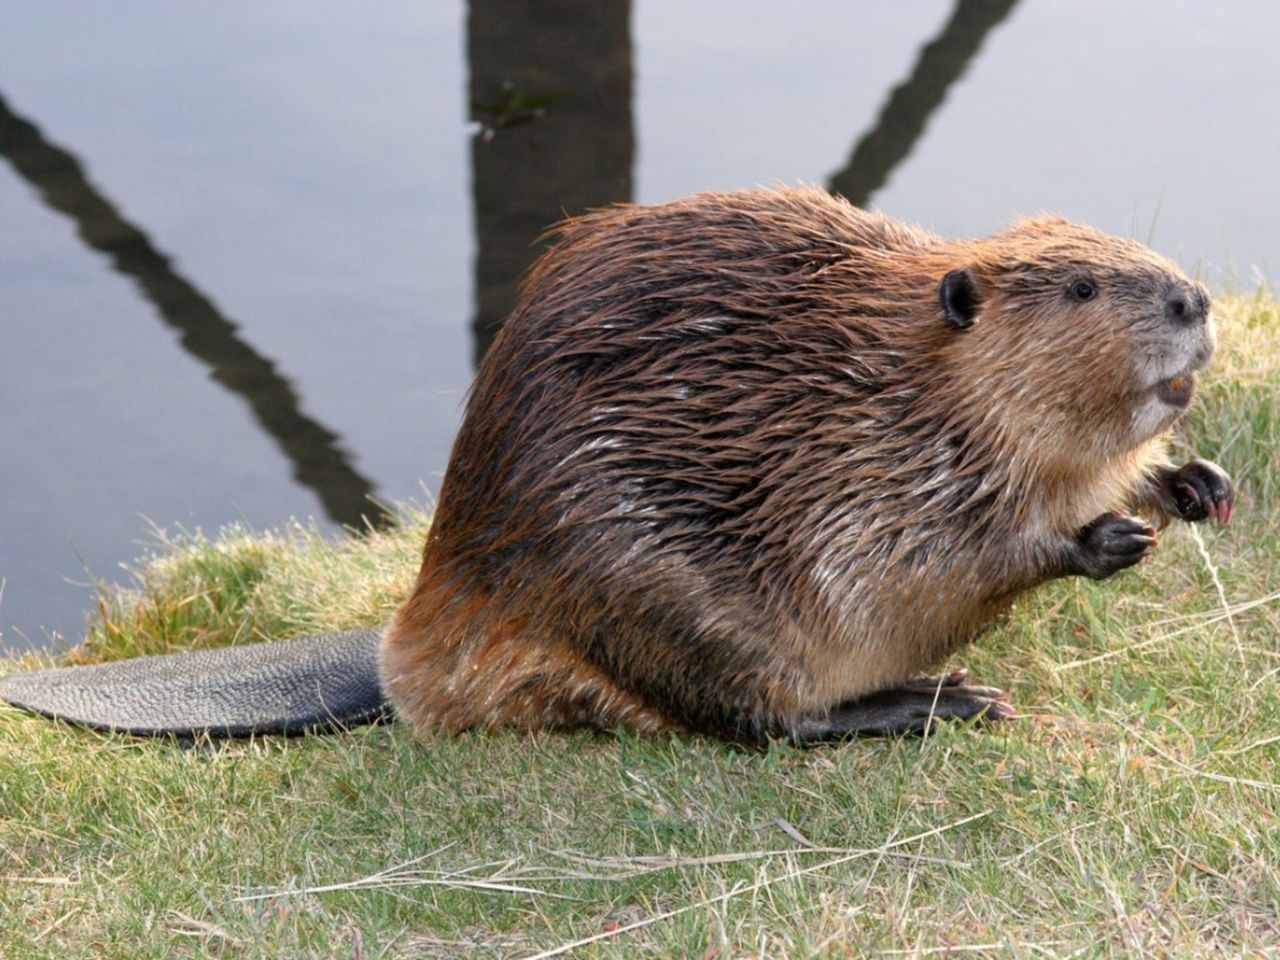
(961,296)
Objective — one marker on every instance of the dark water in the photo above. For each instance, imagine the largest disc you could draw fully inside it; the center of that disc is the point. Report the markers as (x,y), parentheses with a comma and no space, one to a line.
(247,256)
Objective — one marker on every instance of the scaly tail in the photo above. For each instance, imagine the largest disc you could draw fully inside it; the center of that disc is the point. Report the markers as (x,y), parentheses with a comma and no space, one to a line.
(285,687)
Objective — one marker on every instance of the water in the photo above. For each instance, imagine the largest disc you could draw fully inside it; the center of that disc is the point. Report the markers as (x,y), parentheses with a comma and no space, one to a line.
(247,257)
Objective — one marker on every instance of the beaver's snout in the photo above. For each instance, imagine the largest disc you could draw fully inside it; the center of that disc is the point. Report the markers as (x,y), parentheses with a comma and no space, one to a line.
(1186,303)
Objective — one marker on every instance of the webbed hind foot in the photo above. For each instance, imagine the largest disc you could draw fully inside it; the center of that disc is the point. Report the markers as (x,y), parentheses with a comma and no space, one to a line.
(913,707)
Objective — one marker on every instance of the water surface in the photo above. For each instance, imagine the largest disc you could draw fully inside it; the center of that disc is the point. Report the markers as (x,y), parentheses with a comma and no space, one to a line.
(247,257)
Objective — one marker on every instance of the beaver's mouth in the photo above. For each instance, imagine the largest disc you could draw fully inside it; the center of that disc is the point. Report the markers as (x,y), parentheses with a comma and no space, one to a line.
(1177,390)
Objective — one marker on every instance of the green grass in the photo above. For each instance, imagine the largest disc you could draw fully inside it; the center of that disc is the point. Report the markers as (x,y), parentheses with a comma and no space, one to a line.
(1132,811)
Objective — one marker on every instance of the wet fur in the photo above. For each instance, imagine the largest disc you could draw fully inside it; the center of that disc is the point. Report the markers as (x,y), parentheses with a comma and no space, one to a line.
(727,465)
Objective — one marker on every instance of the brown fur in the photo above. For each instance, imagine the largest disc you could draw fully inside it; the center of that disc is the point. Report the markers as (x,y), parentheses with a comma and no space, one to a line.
(728,465)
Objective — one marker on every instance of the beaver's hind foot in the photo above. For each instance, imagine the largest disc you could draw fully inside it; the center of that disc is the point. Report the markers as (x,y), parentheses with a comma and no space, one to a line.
(914,707)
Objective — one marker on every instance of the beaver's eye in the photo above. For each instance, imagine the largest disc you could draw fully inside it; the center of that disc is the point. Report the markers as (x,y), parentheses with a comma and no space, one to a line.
(1083,290)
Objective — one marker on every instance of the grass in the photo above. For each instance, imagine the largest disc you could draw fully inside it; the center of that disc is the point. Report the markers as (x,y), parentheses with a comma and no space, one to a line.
(1132,812)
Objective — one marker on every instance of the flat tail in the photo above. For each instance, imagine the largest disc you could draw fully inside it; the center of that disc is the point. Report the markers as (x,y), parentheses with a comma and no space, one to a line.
(286,687)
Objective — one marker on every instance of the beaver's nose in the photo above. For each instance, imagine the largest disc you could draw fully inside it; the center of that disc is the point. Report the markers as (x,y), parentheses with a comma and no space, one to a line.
(1186,304)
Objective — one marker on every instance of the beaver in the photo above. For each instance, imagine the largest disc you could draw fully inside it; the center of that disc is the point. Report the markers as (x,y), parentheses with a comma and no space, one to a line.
(746,464)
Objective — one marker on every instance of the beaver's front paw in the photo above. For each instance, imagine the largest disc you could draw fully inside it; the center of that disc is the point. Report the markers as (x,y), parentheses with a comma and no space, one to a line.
(1202,490)
(1111,543)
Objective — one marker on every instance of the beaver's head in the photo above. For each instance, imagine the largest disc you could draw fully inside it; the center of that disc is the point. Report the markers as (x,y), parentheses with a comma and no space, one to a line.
(1078,330)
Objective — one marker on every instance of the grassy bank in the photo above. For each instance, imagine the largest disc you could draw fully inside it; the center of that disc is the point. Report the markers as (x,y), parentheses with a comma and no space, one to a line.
(1132,811)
